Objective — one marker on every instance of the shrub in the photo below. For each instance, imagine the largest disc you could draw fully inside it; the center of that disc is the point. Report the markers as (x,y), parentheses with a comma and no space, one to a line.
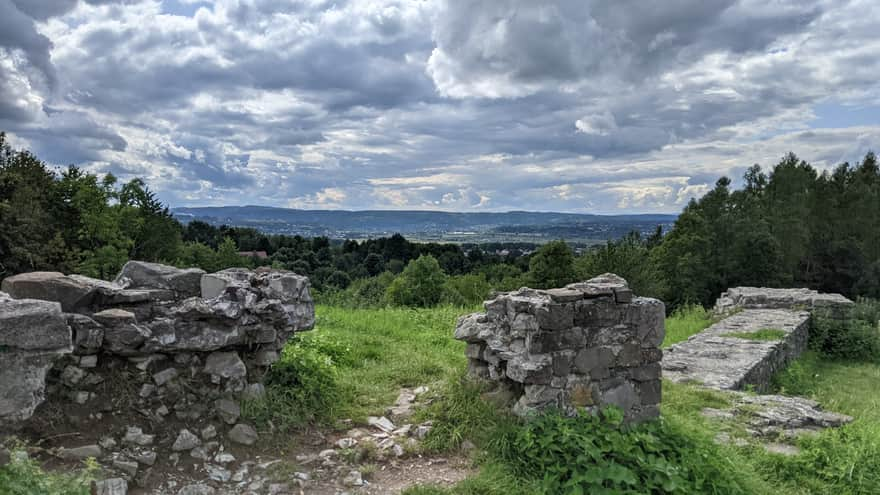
(552,266)
(857,336)
(369,292)
(420,284)
(466,290)
(23,476)
(302,386)
(596,454)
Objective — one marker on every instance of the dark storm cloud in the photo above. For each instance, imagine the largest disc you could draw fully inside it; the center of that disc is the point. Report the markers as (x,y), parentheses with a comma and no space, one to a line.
(569,104)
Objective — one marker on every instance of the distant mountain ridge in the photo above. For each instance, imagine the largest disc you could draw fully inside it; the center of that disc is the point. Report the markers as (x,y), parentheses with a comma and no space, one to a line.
(340,223)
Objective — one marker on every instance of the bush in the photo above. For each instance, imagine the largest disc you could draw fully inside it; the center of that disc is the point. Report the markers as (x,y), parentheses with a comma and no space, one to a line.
(369,292)
(23,476)
(420,284)
(301,387)
(857,336)
(596,454)
(552,266)
(466,290)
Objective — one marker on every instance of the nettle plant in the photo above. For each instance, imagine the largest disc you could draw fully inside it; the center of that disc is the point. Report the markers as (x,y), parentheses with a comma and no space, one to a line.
(597,454)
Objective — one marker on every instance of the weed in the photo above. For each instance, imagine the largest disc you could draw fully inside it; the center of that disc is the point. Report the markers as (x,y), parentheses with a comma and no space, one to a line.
(685,322)
(368,470)
(762,335)
(23,476)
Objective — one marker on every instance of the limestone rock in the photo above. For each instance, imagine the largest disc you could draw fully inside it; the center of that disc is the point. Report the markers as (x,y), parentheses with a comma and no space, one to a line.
(32,325)
(186,440)
(141,274)
(225,365)
(135,435)
(80,453)
(243,434)
(33,335)
(49,286)
(111,486)
(228,410)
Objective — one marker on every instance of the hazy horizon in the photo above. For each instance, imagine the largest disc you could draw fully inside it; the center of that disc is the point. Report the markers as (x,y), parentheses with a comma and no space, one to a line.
(442,105)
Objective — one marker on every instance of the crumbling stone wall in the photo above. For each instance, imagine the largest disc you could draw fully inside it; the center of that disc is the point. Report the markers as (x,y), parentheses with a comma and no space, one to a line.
(585,346)
(160,340)
(739,298)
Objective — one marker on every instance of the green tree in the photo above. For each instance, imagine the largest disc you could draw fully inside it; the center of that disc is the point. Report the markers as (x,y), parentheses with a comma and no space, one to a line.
(374,264)
(228,257)
(420,284)
(630,258)
(552,266)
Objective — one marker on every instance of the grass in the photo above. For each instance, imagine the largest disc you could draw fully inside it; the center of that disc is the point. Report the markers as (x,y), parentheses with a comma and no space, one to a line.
(372,354)
(762,335)
(390,349)
(845,460)
(375,352)
(685,322)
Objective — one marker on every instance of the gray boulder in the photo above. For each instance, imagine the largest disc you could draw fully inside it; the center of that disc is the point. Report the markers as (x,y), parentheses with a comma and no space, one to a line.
(49,286)
(144,275)
(33,335)
(29,324)
(243,434)
(23,383)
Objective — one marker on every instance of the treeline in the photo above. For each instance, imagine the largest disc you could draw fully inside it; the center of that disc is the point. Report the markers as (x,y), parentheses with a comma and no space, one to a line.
(792,226)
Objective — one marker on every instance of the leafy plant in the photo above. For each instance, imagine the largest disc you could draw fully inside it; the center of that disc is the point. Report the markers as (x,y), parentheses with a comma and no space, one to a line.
(23,476)
(302,386)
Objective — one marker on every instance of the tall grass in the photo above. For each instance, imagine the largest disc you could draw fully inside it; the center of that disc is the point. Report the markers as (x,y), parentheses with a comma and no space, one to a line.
(357,360)
(686,321)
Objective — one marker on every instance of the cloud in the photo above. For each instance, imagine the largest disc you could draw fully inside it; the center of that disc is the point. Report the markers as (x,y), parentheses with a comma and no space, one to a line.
(457,105)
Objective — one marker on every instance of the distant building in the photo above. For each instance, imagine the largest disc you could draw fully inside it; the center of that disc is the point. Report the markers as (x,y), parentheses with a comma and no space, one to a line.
(254,254)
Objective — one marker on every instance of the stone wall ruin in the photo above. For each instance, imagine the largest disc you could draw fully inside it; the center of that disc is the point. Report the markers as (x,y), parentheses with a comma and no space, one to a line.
(582,347)
(159,342)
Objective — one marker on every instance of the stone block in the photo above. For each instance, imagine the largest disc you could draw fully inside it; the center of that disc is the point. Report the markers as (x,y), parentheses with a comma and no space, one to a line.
(555,316)
(23,383)
(225,365)
(650,391)
(592,358)
(141,274)
(49,286)
(30,324)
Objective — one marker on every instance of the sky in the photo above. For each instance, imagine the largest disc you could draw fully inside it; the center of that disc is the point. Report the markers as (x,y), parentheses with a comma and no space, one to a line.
(460,105)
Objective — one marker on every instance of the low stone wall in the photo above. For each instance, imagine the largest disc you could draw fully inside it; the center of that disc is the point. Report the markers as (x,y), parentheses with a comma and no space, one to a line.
(717,359)
(160,340)
(588,345)
(720,360)
(792,299)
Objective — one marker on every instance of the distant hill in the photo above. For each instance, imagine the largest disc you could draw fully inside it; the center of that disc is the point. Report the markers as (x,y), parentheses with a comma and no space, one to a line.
(428,225)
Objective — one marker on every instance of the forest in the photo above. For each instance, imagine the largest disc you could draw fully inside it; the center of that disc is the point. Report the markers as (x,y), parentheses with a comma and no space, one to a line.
(790,226)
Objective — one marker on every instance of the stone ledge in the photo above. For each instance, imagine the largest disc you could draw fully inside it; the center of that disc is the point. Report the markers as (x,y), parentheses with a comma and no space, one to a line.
(716,360)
